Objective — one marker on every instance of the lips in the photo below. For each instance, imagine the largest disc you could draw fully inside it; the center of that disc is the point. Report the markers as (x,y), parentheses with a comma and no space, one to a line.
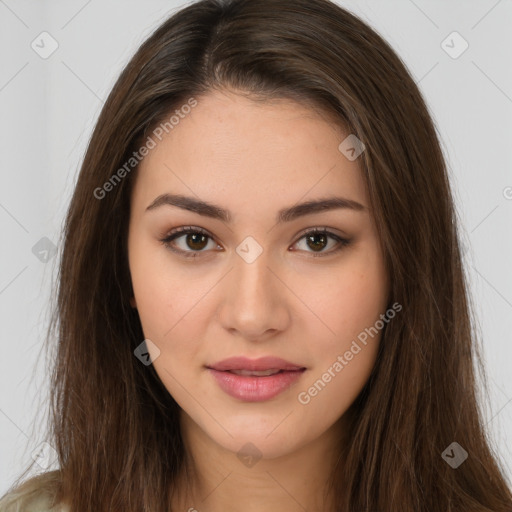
(255,380)
(255,365)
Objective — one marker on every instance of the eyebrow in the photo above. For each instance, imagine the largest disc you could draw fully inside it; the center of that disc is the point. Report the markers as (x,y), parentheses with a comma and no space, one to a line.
(285,215)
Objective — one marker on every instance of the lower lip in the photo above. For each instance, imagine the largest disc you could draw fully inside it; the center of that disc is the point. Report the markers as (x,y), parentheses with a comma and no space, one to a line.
(255,389)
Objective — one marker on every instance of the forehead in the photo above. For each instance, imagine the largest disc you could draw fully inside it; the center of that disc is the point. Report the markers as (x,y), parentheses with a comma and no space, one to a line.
(236,150)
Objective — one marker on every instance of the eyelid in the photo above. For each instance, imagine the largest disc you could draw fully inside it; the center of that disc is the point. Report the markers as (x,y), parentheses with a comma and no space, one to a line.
(320,229)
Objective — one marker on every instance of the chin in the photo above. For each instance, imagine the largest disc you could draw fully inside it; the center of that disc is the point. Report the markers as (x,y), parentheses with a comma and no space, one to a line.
(268,437)
(252,446)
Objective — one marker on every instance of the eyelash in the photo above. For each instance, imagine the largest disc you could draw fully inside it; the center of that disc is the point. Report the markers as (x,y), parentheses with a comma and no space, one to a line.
(185,230)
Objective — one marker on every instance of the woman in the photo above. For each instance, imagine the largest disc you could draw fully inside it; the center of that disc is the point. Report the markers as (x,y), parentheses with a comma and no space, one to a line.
(261,285)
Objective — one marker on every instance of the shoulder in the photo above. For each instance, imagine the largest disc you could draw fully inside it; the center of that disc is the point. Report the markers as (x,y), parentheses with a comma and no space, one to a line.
(20,502)
(34,495)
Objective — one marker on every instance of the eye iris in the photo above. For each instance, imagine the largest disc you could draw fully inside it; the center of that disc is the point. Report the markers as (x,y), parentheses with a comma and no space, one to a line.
(192,240)
(314,239)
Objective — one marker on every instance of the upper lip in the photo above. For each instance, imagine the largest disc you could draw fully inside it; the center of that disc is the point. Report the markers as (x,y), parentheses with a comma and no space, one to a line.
(263,363)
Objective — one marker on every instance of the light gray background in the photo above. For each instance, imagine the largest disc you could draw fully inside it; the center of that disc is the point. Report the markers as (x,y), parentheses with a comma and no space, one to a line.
(48,108)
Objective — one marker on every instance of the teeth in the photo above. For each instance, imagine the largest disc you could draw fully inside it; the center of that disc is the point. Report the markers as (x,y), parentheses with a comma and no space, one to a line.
(256,373)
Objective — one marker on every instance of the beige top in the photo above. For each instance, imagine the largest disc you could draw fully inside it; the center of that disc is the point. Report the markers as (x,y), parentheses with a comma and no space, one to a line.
(33,502)
(33,495)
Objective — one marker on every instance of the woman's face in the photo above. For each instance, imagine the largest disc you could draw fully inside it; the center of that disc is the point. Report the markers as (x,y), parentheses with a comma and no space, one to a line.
(251,280)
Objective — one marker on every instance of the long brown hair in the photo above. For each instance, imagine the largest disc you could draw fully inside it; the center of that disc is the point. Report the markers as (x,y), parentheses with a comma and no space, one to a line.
(113,423)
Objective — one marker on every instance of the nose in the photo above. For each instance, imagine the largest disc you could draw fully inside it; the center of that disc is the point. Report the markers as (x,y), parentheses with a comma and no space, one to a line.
(254,299)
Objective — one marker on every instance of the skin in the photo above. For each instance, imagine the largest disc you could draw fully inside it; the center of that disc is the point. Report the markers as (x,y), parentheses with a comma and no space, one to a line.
(254,159)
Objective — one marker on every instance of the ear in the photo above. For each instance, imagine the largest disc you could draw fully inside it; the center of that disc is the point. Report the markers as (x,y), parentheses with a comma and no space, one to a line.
(133,302)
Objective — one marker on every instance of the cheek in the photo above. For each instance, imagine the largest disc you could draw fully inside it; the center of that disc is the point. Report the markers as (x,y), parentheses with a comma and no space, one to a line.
(351,305)
(350,300)
(154,304)
(172,324)
(163,296)
(329,393)
(342,367)
(170,305)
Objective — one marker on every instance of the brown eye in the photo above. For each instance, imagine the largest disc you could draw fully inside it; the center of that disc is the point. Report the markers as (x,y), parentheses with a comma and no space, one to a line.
(196,241)
(193,243)
(318,239)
